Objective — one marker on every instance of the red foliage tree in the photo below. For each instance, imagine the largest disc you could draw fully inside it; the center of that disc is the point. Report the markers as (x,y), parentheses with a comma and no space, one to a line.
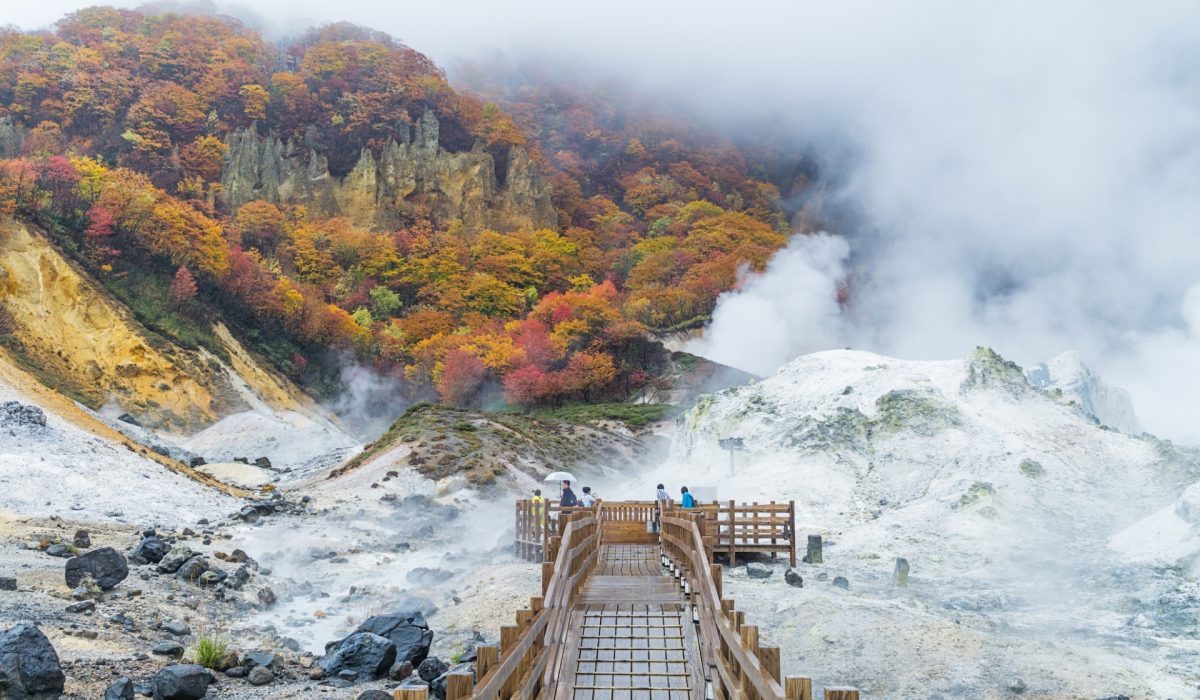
(462,375)
(183,288)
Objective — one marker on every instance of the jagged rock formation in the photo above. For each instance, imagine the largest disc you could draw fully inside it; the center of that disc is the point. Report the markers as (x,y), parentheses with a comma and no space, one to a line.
(12,137)
(1068,376)
(410,178)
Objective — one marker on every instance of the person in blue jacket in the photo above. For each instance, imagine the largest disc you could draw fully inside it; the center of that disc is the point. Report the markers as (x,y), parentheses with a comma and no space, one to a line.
(687,501)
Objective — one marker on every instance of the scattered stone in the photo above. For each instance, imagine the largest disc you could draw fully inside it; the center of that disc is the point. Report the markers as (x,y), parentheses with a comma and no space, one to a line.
(171,649)
(239,578)
(126,418)
(260,676)
(238,556)
(13,413)
(7,583)
(291,644)
(814,555)
(29,666)
(262,463)
(124,621)
(106,566)
(86,606)
(757,570)
(348,675)
(364,653)
(60,550)
(82,539)
(197,462)
(407,630)
(400,670)
(431,668)
(266,596)
(374,694)
(424,576)
(121,689)
(176,628)
(193,569)
(1017,685)
(151,550)
(793,578)
(266,659)
(1032,468)
(228,661)
(174,558)
(182,682)
(841,582)
(212,577)
(87,590)
(901,573)
(237,672)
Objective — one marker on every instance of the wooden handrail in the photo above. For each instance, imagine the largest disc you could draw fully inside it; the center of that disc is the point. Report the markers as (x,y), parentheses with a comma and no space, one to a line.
(517,674)
(683,541)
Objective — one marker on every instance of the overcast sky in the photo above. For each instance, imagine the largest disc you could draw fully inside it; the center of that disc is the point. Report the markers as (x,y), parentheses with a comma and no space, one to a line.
(1027,173)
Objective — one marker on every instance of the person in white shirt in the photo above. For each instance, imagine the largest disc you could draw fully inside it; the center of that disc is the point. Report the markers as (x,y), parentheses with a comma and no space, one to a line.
(587,500)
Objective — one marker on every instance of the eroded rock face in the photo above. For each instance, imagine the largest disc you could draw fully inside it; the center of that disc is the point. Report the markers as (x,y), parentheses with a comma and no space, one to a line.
(412,177)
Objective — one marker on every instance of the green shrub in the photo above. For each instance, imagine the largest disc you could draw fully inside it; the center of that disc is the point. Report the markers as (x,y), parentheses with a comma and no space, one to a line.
(209,651)
(466,427)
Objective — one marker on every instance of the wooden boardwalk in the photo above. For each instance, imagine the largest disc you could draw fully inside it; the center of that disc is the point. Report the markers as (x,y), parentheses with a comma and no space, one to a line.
(630,636)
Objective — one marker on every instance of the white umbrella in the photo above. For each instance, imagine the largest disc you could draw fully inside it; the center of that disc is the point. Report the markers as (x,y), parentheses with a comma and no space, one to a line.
(559,476)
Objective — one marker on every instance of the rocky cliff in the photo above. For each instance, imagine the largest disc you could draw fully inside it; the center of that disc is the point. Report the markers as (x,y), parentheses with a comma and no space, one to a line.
(410,178)
(78,339)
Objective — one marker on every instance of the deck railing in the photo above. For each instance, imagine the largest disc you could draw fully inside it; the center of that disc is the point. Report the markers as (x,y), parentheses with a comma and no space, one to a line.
(737,666)
(731,528)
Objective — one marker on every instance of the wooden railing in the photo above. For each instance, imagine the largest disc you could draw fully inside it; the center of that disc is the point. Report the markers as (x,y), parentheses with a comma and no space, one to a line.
(731,529)
(737,666)
(524,665)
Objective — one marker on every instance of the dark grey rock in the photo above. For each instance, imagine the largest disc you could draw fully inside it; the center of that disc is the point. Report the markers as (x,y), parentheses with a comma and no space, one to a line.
(7,583)
(265,659)
(374,694)
(192,569)
(239,577)
(174,558)
(176,628)
(212,577)
(266,596)
(260,675)
(757,570)
(29,666)
(348,675)
(121,689)
(407,630)
(400,670)
(60,550)
(105,565)
(793,578)
(152,549)
(262,463)
(431,668)
(82,539)
(171,649)
(814,554)
(85,606)
(1017,686)
(366,654)
(237,672)
(182,682)
(841,582)
(17,414)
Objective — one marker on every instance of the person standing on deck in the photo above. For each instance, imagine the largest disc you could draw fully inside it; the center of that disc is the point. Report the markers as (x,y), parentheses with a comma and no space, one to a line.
(568,499)
(661,499)
(587,500)
(538,507)
(687,501)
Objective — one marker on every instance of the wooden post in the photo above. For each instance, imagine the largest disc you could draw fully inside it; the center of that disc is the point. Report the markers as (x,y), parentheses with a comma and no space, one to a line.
(814,555)
(841,694)
(792,533)
(459,686)
(732,533)
(411,694)
(488,656)
(798,688)
(547,574)
(508,638)
(718,578)
(769,656)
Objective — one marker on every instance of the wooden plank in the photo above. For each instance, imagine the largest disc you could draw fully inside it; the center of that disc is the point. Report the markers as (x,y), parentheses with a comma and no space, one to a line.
(459,686)
(411,694)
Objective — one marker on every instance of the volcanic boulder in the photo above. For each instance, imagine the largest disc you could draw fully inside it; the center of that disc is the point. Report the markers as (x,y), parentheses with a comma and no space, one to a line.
(105,565)
(29,668)
(364,654)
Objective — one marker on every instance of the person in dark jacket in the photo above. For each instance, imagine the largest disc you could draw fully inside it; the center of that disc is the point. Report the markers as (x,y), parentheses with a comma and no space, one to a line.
(568,499)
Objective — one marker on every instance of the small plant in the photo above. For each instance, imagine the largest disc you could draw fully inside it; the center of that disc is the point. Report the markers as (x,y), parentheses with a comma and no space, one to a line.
(456,656)
(209,651)
(466,427)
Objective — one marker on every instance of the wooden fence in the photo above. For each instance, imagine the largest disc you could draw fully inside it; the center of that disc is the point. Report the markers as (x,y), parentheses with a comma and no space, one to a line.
(730,528)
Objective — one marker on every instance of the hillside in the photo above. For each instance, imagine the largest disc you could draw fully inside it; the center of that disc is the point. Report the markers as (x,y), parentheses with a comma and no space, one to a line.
(336,197)
(1002,497)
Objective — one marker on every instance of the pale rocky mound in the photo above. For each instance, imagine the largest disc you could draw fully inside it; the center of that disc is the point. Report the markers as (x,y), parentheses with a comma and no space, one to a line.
(1067,376)
(1001,496)
(59,459)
